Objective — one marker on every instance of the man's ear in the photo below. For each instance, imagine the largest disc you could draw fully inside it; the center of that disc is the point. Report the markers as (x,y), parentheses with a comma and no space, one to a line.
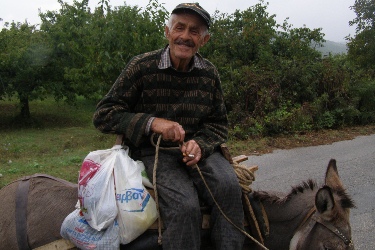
(166,31)
(206,38)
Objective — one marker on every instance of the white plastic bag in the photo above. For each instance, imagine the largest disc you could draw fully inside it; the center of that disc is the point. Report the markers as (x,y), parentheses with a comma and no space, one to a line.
(145,180)
(96,190)
(76,229)
(136,208)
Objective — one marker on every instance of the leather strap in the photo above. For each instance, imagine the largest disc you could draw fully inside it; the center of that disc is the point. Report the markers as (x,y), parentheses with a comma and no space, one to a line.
(334,230)
(252,220)
(21,214)
(260,215)
(317,219)
(45,176)
(21,207)
(65,182)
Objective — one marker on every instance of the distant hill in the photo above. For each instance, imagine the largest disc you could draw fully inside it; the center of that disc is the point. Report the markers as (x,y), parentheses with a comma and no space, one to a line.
(333,48)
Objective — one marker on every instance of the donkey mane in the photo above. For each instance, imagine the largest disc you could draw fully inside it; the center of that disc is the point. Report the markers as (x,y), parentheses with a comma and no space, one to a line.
(345,200)
(275,198)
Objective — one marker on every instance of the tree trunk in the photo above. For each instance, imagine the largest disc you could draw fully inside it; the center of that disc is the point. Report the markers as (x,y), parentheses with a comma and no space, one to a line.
(25,109)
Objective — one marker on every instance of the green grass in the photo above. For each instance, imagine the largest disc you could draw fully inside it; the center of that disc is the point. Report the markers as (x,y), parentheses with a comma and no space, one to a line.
(59,136)
(55,142)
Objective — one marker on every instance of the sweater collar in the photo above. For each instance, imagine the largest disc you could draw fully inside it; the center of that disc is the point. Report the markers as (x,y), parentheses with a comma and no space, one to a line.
(165,61)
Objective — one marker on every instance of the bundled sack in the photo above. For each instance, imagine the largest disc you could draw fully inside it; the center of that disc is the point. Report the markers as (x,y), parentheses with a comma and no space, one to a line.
(145,180)
(136,208)
(96,190)
(111,186)
(76,229)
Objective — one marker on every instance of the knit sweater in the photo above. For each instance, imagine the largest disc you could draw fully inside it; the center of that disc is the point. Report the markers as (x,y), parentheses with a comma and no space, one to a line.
(193,99)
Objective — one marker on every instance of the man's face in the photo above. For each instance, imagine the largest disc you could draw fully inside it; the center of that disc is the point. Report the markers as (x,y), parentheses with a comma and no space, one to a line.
(186,35)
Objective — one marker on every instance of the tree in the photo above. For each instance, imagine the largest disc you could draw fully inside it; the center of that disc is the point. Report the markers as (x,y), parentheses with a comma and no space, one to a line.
(118,35)
(362,54)
(362,46)
(69,31)
(25,64)
(76,51)
(266,69)
(92,47)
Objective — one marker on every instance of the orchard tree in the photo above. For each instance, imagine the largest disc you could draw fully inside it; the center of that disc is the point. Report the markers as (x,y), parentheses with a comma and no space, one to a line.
(121,33)
(76,51)
(69,32)
(25,62)
(91,47)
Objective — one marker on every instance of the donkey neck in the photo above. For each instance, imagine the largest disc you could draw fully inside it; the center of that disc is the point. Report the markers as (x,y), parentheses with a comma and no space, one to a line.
(286,212)
(289,209)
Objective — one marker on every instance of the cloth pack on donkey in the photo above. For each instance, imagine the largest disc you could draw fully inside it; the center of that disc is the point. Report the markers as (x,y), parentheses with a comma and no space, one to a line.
(32,211)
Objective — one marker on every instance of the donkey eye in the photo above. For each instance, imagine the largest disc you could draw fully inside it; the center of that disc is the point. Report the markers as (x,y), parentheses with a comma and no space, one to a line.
(327,246)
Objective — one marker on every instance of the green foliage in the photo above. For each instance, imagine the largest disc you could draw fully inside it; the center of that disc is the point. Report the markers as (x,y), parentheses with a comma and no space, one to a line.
(25,63)
(362,46)
(365,15)
(362,56)
(92,47)
(363,93)
(288,118)
(269,71)
(326,120)
(362,49)
(274,80)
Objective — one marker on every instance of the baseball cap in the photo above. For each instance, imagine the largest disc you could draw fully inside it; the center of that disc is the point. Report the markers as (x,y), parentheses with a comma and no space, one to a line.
(195,7)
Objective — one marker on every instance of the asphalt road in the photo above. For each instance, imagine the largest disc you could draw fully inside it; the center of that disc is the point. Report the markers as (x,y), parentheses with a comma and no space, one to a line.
(356,165)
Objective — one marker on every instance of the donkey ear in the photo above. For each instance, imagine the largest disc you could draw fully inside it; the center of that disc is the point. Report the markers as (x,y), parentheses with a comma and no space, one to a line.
(332,176)
(325,202)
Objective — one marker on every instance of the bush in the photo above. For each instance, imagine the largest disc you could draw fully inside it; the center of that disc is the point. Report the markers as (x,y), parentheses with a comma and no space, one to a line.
(363,93)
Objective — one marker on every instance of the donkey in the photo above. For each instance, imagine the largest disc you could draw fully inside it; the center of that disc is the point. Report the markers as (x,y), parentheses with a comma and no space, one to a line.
(309,217)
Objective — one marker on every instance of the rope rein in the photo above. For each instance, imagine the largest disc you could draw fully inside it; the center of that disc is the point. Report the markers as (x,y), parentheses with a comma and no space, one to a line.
(244,175)
(155,189)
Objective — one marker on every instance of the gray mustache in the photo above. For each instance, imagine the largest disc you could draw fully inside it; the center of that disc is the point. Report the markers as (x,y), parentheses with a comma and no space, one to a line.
(188,43)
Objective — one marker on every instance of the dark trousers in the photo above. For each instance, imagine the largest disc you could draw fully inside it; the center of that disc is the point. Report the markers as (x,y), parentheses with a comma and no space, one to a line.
(180,187)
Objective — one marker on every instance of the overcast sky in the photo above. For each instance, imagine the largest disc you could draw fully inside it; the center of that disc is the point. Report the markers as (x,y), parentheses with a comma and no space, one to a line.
(331,15)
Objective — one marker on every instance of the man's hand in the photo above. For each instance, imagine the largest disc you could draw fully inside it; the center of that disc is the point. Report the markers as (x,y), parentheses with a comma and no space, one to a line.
(192,152)
(170,131)
(173,131)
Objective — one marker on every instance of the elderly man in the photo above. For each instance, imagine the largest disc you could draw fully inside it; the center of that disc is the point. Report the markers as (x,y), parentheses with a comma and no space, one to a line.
(176,93)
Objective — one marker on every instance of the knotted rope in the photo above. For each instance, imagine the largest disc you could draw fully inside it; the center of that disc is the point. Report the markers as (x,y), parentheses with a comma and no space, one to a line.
(244,175)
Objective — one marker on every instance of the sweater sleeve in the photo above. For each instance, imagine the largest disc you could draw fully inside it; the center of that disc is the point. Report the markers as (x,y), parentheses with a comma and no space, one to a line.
(214,129)
(114,112)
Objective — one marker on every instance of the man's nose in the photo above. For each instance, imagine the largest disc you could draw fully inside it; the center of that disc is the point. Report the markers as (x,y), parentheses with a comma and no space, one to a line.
(185,34)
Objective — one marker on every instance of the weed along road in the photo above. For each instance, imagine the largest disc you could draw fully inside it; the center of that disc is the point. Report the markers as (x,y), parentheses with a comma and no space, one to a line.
(356,166)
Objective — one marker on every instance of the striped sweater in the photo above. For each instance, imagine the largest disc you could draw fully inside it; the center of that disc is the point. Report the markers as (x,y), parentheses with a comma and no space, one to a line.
(193,99)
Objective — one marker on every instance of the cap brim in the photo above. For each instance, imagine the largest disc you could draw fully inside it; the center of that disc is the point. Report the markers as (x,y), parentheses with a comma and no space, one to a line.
(200,13)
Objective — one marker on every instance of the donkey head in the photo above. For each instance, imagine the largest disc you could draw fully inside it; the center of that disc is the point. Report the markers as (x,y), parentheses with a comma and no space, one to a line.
(328,227)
